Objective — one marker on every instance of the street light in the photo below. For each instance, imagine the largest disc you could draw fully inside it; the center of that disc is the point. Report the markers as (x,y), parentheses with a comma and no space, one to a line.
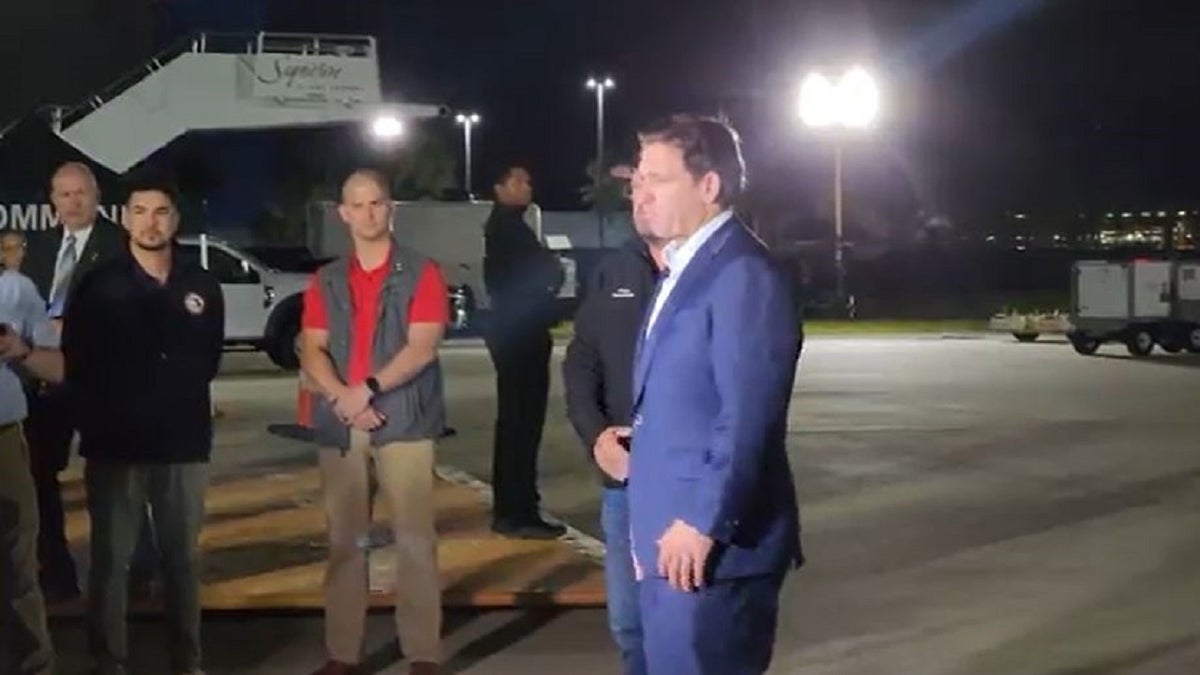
(387,127)
(467,121)
(599,86)
(849,104)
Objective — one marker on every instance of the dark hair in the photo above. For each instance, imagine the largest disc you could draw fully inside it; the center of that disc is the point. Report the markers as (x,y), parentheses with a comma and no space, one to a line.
(708,144)
(506,171)
(153,182)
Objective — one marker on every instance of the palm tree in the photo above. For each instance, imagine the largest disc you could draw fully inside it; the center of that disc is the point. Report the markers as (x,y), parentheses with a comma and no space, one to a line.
(426,168)
(605,194)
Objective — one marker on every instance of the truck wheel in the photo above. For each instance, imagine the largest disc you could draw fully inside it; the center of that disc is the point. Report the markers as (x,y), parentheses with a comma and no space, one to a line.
(284,350)
(1140,342)
(1193,339)
(1025,337)
(1085,345)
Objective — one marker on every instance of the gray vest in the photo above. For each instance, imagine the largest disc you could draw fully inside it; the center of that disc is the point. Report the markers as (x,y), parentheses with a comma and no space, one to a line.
(415,411)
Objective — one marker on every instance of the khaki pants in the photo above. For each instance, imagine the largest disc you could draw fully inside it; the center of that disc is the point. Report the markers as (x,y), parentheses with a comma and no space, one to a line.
(405,475)
(24,638)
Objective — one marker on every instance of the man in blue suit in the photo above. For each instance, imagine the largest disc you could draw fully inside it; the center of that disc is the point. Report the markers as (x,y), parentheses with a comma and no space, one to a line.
(714,517)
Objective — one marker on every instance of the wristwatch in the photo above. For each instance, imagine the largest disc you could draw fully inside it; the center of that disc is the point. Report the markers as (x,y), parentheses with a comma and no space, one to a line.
(373,385)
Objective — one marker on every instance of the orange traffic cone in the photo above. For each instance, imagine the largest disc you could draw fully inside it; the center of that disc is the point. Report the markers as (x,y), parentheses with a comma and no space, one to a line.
(302,429)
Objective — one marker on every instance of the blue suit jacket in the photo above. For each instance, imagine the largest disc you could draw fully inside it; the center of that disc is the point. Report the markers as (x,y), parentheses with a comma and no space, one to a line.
(712,384)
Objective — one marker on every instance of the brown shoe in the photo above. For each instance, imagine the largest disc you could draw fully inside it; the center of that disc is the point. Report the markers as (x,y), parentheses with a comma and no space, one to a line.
(339,668)
(424,668)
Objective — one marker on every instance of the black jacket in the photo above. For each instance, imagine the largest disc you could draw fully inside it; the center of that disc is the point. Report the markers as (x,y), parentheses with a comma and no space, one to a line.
(139,360)
(598,369)
(522,276)
(107,241)
(49,428)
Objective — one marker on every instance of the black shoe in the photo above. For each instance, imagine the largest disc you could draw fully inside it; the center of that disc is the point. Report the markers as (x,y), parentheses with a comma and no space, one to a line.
(533,528)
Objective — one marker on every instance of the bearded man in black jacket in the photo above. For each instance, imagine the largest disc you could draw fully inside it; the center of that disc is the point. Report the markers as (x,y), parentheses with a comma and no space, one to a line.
(523,279)
(83,239)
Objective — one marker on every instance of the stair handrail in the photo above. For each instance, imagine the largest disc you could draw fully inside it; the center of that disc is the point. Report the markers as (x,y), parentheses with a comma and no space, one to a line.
(258,43)
(128,79)
(9,127)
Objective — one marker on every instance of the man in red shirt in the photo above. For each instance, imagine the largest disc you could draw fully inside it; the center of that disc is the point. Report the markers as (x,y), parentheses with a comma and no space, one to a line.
(372,325)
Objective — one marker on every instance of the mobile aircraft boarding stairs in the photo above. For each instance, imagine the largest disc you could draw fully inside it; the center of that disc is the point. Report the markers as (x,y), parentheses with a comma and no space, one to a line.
(231,82)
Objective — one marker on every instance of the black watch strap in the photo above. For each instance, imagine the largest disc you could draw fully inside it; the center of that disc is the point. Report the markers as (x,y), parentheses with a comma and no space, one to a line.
(373,385)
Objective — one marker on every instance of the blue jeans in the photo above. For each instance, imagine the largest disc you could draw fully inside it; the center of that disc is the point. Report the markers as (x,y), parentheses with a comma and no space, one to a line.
(620,583)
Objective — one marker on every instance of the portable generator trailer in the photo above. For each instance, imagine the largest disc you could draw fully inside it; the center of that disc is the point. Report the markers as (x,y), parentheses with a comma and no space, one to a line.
(1139,303)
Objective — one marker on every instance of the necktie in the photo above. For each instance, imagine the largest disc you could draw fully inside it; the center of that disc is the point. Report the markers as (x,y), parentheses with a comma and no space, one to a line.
(62,277)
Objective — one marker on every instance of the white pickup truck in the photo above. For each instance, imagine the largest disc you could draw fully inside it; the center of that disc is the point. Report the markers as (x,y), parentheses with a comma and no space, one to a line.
(262,304)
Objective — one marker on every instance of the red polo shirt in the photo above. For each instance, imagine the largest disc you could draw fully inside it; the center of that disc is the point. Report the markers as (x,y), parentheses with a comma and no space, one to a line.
(430,304)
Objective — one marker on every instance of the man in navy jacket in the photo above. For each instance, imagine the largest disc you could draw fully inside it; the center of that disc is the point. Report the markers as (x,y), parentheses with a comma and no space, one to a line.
(597,374)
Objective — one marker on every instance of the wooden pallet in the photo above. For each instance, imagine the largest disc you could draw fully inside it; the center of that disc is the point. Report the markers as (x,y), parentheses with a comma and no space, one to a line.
(263,547)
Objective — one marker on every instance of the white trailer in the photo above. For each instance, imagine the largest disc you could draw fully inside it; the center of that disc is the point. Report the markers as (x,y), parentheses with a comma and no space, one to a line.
(449,232)
(1141,303)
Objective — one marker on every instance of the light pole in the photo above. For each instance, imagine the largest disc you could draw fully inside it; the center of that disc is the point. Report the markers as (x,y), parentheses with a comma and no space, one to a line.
(849,104)
(599,86)
(467,121)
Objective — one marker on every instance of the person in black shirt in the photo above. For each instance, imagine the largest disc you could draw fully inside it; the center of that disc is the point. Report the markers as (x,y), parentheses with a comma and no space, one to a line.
(597,373)
(81,239)
(522,279)
(142,340)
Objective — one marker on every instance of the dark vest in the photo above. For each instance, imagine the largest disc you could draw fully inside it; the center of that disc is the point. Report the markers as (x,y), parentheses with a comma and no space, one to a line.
(415,411)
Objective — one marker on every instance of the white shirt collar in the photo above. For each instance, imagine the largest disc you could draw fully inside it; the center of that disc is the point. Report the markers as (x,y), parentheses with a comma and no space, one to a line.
(678,254)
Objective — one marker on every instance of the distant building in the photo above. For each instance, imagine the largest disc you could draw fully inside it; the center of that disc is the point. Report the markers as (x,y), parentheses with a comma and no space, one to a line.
(1175,229)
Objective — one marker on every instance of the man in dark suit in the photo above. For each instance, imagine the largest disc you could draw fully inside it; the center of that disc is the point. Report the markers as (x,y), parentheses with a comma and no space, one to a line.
(87,239)
(713,509)
(597,377)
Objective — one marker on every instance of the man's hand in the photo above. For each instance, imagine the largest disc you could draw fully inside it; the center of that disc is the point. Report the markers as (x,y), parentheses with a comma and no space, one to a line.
(611,456)
(682,554)
(369,420)
(351,402)
(12,346)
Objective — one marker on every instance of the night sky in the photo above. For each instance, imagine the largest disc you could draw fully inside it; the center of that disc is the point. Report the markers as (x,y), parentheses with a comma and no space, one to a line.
(991,105)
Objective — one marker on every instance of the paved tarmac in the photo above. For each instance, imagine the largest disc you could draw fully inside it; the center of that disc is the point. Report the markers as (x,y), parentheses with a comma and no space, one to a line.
(972,506)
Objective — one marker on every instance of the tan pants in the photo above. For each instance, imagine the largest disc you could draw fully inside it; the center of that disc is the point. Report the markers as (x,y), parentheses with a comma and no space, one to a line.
(405,477)
(24,639)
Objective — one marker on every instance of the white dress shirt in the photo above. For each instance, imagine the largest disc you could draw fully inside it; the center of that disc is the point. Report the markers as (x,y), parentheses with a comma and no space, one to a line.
(678,255)
(81,239)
